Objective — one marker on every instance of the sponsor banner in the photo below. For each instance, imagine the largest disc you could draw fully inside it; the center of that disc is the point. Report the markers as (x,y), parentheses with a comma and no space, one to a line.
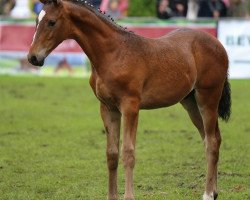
(53,59)
(234,34)
(152,28)
(15,63)
(18,35)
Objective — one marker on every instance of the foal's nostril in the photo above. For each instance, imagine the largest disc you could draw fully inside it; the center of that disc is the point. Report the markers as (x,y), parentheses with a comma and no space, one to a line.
(33,59)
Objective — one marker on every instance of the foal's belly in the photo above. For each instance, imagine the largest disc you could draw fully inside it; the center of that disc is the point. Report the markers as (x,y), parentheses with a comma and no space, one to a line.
(154,100)
(162,94)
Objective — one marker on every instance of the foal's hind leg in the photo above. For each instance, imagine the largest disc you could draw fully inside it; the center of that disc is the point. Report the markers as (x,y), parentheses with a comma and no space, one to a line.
(208,101)
(112,121)
(190,104)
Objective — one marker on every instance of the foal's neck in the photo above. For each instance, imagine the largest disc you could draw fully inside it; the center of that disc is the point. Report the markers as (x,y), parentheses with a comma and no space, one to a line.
(96,35)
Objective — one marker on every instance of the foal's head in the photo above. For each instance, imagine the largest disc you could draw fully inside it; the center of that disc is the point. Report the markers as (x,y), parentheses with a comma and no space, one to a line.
(49,31)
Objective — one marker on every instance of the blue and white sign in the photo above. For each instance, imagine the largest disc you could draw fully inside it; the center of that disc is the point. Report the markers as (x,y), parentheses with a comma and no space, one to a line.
(234,34)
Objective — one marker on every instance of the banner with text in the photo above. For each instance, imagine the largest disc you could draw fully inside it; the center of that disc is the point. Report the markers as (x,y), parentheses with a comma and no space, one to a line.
(235,36)
(16,37)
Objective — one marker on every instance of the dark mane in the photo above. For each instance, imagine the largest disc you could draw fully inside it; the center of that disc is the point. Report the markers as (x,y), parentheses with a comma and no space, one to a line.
(101,14)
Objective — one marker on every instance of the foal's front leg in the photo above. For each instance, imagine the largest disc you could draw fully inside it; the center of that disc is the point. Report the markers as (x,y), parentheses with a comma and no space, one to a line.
(130,112)
(112,121)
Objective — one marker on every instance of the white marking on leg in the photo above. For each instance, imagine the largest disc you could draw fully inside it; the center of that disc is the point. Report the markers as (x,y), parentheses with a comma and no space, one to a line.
(40,18)
(208,196)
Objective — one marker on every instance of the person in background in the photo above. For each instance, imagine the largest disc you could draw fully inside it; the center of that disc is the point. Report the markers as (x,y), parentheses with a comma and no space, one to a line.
(212,8)
(171,8)
(239,8)
(21,10)
(96,3)
(227,3)
(6,6)
(123,7)
(193,8)
(163,9)
(179,7)
(37,6)
(115,8)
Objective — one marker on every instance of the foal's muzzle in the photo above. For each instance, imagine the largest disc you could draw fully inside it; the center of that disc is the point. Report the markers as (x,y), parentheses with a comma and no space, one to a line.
(34,60)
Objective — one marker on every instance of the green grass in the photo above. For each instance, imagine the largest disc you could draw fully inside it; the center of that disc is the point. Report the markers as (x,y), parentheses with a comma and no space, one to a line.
(52,146)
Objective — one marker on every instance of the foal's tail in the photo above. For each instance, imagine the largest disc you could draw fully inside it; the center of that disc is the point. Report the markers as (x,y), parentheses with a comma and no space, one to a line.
(224,110)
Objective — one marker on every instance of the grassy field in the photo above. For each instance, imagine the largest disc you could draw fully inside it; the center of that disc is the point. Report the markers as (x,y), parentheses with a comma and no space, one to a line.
(52,146)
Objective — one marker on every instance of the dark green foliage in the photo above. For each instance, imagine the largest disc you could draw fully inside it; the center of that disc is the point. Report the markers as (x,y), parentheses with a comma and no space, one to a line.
(142,8)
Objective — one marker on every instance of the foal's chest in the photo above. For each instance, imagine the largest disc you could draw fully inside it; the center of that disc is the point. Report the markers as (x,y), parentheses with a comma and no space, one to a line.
(104,93)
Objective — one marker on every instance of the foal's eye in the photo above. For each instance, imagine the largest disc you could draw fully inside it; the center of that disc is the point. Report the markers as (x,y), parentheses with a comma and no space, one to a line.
(51,23)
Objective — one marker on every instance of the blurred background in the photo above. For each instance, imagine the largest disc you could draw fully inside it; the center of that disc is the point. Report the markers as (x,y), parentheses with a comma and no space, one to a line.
(226,19)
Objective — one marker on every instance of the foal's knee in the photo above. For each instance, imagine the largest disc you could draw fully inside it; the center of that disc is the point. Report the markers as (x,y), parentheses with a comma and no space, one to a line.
(128,157)
(213,146)
(213,142)
(112,158)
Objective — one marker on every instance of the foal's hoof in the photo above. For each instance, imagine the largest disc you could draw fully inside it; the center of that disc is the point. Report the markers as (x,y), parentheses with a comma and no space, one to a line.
(112,197)
(215,195)
(212,196)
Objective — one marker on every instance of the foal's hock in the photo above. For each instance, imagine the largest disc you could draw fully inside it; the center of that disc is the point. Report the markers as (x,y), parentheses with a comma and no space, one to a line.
(130,72)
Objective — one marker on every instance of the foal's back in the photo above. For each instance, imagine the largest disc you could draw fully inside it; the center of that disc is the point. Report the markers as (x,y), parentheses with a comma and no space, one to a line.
(179,62)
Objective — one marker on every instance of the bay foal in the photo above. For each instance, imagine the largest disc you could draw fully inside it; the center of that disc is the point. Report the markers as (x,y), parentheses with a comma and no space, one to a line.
(130,72)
